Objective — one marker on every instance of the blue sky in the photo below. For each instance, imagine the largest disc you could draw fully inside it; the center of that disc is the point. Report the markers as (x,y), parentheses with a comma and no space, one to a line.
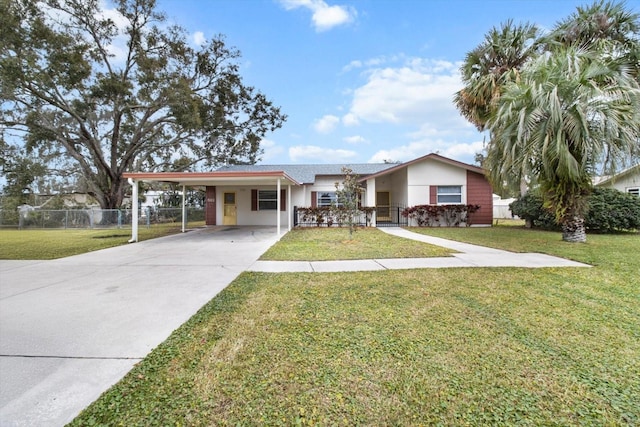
(364,80)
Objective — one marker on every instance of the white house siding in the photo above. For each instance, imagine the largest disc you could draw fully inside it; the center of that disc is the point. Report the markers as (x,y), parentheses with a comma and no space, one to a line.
(421,176)
(323,184)
(399,193)
(245,216)
(395,183)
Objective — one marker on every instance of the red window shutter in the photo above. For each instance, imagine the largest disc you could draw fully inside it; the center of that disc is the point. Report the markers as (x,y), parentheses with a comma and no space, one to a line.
(254,200)
(433,195)
(283,199)
(314,199)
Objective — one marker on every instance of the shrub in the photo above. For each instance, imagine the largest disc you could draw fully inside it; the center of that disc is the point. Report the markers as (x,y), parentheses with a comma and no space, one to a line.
(530,207)
(612,210)
(439,215)
(332,215)
(609,210)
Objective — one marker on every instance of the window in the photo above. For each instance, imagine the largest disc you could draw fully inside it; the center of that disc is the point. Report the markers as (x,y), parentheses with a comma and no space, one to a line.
(267,200)
(449,194)
(327,198)
(634,191)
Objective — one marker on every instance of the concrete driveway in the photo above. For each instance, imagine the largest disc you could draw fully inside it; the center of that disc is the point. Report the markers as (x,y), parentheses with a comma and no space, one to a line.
(70,328)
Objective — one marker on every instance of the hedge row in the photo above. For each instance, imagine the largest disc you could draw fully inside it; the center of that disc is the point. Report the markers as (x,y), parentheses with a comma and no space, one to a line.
(440,215)
(609,210)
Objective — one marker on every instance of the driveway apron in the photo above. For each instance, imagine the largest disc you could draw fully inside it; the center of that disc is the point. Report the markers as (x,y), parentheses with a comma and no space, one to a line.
(70,328)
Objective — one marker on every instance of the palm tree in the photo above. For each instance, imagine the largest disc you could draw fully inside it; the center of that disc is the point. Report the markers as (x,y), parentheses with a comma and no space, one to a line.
(606,26)
(557,106)
(570,110)
(491,65)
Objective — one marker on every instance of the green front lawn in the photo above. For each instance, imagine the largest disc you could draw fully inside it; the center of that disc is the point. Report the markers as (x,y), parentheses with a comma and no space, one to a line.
(328,244)
(492,346)
(51,244)
(599,249)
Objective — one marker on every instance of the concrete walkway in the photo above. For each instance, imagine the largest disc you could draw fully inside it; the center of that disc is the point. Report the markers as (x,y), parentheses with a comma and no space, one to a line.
(467,256)
(71,328)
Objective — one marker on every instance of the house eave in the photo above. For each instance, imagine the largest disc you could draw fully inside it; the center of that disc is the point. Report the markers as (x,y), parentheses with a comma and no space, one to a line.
(213,178)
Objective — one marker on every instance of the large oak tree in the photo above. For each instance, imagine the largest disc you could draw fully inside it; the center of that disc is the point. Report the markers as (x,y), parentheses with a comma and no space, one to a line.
(105,93)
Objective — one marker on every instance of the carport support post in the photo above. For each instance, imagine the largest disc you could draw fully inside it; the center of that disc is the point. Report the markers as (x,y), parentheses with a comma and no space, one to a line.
(184,208)
(278,207)
(289,212)
(371,198)
(134,210)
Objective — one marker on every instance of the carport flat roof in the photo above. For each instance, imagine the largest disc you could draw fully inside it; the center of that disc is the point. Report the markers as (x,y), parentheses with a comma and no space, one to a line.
(214,177)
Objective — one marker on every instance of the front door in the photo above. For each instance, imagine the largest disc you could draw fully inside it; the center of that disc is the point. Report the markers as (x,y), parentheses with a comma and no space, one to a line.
(383,206)
(229,209)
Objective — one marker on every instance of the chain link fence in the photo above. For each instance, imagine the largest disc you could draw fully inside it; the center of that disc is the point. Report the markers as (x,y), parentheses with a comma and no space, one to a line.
(94,218)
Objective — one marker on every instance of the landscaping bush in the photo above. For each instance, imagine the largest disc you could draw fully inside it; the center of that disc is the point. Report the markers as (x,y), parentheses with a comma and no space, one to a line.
(530,208)
(329,216)
(440,215)
(609,210)
(612,210)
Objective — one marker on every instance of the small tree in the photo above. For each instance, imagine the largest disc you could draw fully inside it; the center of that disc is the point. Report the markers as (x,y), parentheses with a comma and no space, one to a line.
(348,195)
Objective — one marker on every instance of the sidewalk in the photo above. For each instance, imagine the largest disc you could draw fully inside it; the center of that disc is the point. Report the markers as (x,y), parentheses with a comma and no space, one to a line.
(467,256)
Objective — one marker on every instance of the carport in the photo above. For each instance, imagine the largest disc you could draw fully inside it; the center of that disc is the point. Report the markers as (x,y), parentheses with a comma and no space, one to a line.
(210,180)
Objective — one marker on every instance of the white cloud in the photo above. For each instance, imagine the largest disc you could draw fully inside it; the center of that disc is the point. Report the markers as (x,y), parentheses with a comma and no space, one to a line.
(198,38)
(350,119)
(271,150)
(402,153)
(418,92)
(326,124)
(461,151)
(356,139)
(302,153)
(352,65)
(324,17)
(372,62)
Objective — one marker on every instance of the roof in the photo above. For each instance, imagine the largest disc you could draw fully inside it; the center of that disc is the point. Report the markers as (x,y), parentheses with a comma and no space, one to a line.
(603,180)
(431,156)
(306,174)
(292,174)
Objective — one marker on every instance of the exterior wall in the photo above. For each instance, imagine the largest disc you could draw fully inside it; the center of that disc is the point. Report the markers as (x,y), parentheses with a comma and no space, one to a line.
(322,184)
(245,216)
(396,184)
(479,192)
(431,173)
(399,187)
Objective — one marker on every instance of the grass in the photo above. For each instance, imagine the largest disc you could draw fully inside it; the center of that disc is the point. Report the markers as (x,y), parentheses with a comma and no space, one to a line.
(328,244)
(498,346)
(52,244)
(520,239)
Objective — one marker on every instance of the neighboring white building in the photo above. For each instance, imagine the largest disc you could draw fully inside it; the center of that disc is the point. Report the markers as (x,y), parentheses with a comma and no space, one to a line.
(501,208)
(627,181)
